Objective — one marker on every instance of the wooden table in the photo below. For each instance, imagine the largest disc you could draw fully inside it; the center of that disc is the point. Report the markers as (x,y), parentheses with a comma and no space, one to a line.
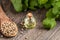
(38,33)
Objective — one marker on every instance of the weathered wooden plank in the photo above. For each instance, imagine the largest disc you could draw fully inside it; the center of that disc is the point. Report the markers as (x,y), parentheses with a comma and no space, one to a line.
(56,36)
(32,34)
(49,34)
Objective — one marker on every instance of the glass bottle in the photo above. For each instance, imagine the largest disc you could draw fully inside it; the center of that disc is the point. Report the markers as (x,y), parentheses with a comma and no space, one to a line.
(29,21)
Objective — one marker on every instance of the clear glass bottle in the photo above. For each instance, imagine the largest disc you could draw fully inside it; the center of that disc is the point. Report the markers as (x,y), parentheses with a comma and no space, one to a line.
(29,21)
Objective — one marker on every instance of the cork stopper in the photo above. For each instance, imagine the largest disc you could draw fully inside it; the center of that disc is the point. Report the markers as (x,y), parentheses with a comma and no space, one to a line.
(29,15)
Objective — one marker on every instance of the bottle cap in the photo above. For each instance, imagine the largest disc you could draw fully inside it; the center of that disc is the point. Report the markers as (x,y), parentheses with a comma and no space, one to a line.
(29,15)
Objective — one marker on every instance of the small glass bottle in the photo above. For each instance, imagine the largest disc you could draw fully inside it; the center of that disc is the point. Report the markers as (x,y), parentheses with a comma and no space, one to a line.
(29,21)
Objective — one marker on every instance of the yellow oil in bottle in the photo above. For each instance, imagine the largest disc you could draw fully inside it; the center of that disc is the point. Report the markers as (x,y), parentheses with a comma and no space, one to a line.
(29,21)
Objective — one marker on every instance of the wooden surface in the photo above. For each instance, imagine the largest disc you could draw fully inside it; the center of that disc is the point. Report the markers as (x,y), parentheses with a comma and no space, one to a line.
(38,33)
